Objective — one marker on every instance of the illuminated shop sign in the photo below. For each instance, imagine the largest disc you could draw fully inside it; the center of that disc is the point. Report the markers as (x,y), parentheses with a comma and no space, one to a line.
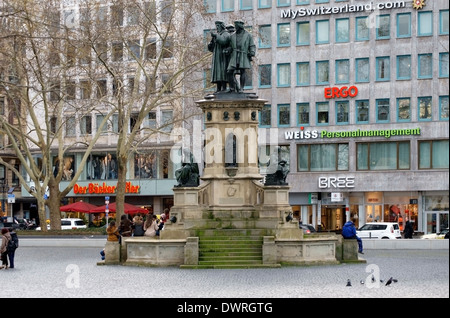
(346,8)
(95,188)
(315,134)
(342,92)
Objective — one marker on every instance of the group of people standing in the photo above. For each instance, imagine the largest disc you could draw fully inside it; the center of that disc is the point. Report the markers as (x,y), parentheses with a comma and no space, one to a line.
(9,244)
(138,226)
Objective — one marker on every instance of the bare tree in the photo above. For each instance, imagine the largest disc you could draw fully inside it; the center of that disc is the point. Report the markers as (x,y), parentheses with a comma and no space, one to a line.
(146,50)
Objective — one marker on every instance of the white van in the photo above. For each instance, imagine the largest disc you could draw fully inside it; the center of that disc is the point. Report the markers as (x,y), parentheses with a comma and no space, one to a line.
(379,230)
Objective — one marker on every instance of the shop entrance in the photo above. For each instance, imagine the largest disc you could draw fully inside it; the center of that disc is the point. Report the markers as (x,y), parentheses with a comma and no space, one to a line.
(374,213)
(332,217)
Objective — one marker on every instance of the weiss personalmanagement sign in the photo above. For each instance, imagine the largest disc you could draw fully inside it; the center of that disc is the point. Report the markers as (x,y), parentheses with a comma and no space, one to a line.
(345,8)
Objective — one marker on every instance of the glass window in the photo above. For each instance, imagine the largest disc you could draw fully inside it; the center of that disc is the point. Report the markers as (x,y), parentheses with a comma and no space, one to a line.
(265,75)
(404,25)
(303,33)
(284,115)
(425,66)
(133,15)
(443,64)
(404,109)
(150,49)
(145,165)
(323,109)
(443,107)
(424,108)
(403,67)
(425,26)
(283,3)
(443,22)
(362,70)
(342,30)
(210,6)
(322,72)
(101,166)
(98,122)
(383,27)
(263,4)
(342,71)
(303,76)
(70,90)
(433,154)
(342,112)
(85,90)
(362,111)
(284,75)
(362,29)
(86,125)
(166,120)
(382,110)
(227,5)
(265,116)
(70,126)
(383,68)
(151,120)
(383,156)
(265,36)
(303,113)
(324,157)
(322,31)
(284,34)
(246,4)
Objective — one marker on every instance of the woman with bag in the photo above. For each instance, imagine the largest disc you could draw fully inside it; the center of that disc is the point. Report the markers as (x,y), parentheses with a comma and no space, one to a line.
(151,226)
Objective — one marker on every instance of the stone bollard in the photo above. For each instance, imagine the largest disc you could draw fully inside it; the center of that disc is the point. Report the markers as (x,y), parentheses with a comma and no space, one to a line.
(112,253)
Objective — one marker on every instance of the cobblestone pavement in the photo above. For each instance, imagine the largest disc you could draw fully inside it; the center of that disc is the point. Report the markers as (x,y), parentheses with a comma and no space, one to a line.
(59,272)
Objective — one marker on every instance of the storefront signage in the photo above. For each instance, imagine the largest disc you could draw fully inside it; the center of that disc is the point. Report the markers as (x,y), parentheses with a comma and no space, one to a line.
(337,197)
(314,134)
(95,188)
(343,92)
(336,182)
(346,8)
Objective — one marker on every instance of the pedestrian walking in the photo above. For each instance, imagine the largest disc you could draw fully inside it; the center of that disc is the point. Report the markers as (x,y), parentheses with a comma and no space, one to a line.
(6,237)
(12,249)
(409,230)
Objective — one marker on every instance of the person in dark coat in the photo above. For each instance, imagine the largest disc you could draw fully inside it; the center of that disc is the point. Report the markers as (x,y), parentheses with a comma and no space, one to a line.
(349,232)
(409,230)
(125,226)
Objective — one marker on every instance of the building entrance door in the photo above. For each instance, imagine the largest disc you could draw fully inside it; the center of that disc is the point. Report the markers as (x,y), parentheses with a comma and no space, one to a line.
(333,217)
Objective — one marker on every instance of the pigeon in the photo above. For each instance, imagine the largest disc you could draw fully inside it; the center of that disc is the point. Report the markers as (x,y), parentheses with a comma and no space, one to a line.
(395,280)
(361,282)
(373,279)
(349,284)
(389,281)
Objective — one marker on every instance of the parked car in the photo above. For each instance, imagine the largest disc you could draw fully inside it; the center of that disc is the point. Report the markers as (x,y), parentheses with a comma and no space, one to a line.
(69,224)
(307,228)
(379,230)
(443,234)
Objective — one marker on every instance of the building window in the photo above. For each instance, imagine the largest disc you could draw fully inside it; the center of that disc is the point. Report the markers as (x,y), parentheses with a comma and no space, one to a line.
(342,71)
(151,120)
(322,73)
(284,75)
(264,4)
(133,14)
(433,154)
(55,92)
(303,114)
(425,27)
(323,110)
(322,31)
(303,74)
(265,76)
(383,68)
(150,49)
(134,50)
(101,88)
(383,156)
(342,112)
(283,3)
(403,109)
(362,70)
(227,5)
(210,6)
(86,125)
(70,90)
(362,111)
(265,116)
(284,115)
(246,4)
(117,51)
(166,120)
(425,66)
(383,27)
(117,16)
(342,30)
(324,157)
(85,90)
(443,22)
(303,33)
(443,107)
(362,29)
(70,126)
(404,67)
(98,123)
(265,36)
(424,108)
(284,34)
(404,25)
(382,110)
(443,64)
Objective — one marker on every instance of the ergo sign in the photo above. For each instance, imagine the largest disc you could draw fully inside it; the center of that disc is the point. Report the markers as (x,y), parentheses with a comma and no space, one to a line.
(343,92)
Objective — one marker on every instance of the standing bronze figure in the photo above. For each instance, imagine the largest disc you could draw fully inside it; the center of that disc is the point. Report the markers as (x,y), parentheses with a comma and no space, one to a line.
(219,42)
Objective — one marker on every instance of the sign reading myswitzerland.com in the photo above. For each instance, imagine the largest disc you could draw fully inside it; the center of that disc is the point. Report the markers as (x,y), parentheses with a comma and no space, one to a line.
(345,8)
(359,133)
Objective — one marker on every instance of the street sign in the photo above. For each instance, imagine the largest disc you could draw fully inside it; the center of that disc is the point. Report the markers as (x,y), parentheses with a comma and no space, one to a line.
(11,198)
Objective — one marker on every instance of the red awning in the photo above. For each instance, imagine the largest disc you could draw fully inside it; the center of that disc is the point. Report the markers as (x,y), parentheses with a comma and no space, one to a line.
(79,206)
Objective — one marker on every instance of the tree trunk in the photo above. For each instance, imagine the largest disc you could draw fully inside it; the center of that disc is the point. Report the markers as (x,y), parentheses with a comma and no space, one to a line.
(53,203)
(121,184)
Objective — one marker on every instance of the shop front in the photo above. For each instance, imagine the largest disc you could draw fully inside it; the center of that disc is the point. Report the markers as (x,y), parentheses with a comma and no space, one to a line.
(436,210)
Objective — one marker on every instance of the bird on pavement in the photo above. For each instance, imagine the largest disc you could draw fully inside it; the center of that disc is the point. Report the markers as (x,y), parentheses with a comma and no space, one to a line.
(389,281)
(349,284)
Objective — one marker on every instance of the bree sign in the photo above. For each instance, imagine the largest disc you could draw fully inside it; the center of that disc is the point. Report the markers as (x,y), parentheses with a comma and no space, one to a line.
(343,92)
(336,182)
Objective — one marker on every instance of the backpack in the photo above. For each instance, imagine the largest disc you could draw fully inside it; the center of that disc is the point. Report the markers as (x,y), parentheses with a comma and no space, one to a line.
(13,243)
